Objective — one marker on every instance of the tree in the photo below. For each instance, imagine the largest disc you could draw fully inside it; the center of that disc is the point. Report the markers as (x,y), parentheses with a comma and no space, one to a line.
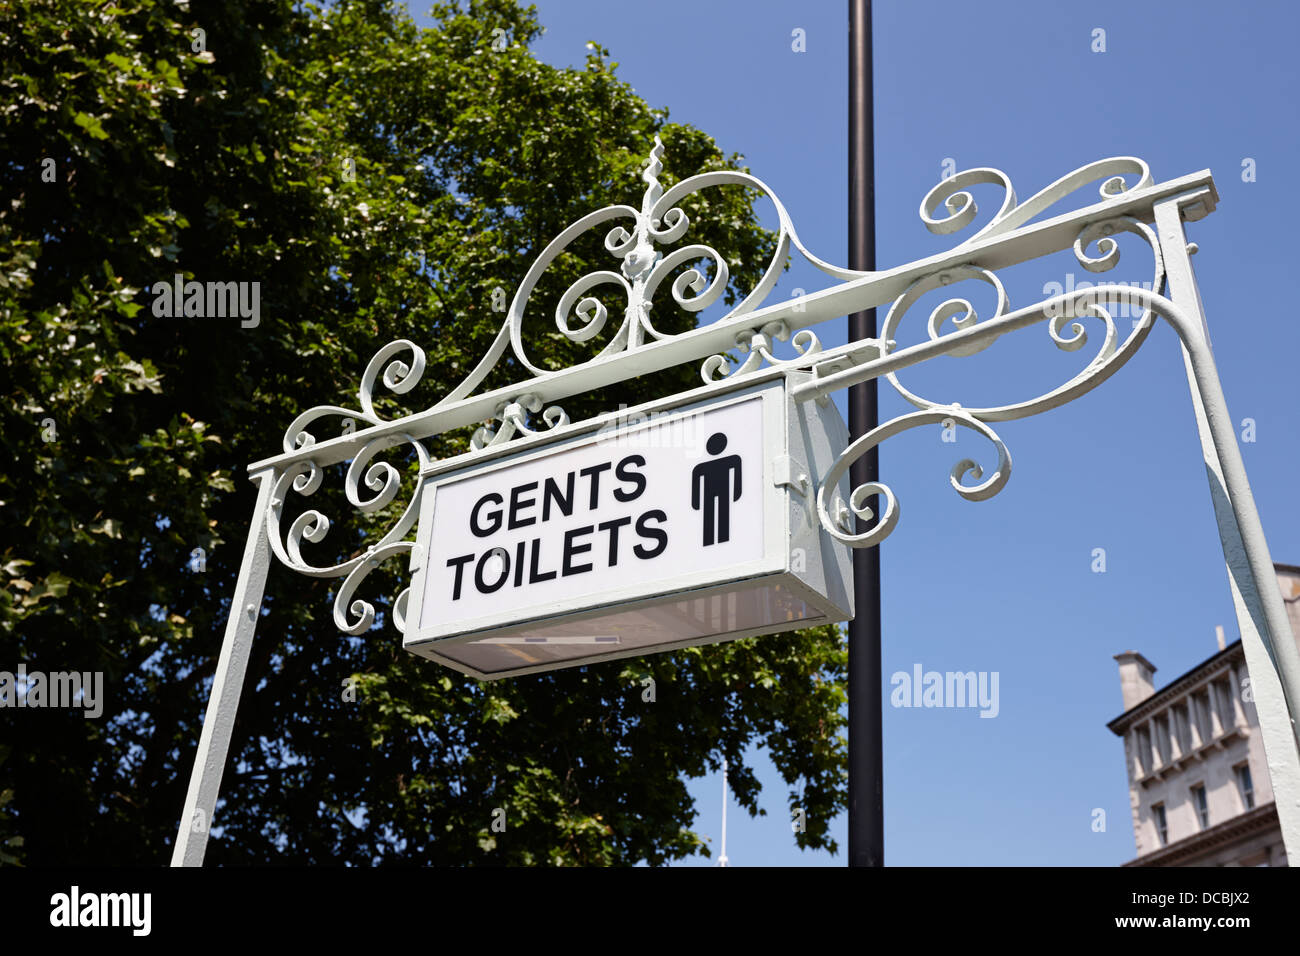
(378,181)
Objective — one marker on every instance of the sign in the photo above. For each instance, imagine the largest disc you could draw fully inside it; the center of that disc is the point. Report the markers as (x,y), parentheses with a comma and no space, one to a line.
(660,527)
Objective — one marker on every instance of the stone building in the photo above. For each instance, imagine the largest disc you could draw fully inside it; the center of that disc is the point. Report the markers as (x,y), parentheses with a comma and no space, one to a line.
(1198,779)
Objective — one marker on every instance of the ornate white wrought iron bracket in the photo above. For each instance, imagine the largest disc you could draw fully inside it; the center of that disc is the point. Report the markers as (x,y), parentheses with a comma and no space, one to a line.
(647,241)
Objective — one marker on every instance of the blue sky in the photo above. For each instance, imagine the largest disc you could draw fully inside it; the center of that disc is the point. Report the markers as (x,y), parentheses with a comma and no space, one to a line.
(1007,585)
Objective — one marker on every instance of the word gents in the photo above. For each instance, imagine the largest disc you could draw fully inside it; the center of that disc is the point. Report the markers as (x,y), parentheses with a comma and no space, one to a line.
(579,549)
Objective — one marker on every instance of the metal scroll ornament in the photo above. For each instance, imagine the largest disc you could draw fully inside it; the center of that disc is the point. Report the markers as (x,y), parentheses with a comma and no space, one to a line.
(639,270)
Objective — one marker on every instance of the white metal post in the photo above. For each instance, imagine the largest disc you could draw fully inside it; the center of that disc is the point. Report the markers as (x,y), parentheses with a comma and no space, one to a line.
(1266,637)
(227,684)
(722,860)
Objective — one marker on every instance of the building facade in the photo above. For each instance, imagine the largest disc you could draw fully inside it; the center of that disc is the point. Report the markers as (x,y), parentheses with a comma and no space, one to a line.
(1199,786)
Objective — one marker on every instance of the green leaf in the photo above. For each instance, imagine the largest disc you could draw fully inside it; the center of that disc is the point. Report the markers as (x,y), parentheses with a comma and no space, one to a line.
(91,125)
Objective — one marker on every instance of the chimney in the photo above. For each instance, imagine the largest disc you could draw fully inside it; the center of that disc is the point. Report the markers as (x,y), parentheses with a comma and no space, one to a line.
(1218,633)
(1135,673)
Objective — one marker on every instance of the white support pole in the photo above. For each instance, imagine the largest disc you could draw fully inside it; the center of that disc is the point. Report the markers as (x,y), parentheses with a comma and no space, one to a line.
(1272,656)
(227,684)
(722,860)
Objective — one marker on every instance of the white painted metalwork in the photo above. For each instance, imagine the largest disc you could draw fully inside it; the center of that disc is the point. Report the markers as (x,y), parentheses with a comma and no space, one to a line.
(722,859)
(529,410)
(789,575)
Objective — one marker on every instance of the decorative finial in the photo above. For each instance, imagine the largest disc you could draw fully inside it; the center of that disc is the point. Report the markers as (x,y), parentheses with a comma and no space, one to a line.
(651,175)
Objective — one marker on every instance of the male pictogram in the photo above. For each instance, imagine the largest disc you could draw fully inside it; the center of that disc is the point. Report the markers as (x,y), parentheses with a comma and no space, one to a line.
(711,486)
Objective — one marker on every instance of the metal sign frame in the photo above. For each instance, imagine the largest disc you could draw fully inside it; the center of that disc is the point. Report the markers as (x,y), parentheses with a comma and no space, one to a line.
(786,505)
(1156,213)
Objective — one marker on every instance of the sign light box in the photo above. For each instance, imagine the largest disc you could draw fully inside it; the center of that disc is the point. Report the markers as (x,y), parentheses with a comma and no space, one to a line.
(668,525)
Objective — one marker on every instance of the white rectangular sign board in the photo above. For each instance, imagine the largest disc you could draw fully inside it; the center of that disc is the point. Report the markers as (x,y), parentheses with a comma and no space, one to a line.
(659,527)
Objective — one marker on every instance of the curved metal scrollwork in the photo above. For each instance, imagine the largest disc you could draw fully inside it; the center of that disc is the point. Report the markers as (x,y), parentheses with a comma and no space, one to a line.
(513,419)
(961,207)
(758,345)
(580,316)
(305,478)
(697,275)
(399,377)
(837,518)
(1082,307)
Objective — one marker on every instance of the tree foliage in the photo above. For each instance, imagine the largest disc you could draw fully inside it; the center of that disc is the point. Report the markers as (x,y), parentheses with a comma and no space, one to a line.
(379,181)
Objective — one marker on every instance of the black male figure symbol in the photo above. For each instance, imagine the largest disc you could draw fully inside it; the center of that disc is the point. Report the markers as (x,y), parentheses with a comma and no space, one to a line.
(711,486)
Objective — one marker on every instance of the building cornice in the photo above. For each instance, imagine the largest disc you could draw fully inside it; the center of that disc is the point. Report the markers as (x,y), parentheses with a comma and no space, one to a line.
(1245,824)
(1176,688)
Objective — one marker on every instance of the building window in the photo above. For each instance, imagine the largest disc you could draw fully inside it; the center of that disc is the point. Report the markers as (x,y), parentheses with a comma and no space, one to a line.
(1227,710)
(1245,786)
(1201,716)
(1160,727)
(1201,804)
(1162,827)
(1144,750)
(1182,732)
